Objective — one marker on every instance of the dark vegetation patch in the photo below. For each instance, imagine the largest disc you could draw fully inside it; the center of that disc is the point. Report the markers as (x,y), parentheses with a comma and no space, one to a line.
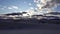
(23,23)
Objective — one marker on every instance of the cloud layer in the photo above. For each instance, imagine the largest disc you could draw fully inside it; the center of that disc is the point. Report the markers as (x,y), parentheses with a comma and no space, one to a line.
(48,5)
(13,7)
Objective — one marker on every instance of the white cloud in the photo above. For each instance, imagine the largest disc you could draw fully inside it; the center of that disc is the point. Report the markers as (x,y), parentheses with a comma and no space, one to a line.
(13,7)
(24,2)
(31,12)
(30,4)
(10,8)
(37,1)
(31,8)
(48,5)
(20,11)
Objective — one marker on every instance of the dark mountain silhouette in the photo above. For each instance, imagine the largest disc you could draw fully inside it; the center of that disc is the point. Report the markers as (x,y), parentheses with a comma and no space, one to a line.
(26,23)
(54,13)
(14,14)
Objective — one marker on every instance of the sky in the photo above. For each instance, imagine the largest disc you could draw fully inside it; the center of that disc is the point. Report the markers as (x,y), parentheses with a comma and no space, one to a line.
(7,6)
(10,6)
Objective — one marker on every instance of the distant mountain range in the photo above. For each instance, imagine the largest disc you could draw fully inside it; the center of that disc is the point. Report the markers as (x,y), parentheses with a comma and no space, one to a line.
(16,13)
(54,13)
